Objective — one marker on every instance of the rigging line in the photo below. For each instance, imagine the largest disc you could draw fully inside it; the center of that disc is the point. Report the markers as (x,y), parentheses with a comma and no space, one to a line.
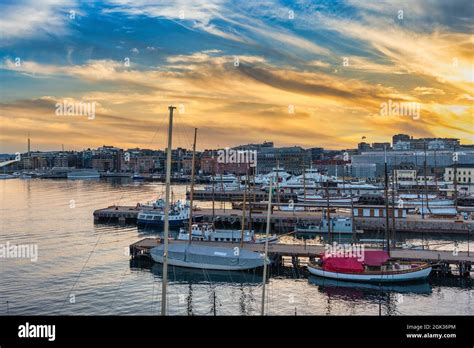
(152,295)
(80,273)
(160,124)
(88,258)
(177,127)
(186,130)
(120,286)
(183,135)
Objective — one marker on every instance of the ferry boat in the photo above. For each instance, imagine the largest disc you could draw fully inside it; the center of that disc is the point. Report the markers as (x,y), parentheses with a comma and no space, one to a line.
(83,174)
(338,225)
(207,232)
(178,215)
(374,266)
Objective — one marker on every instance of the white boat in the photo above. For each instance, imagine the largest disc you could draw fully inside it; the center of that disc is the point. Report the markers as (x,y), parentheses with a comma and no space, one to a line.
(208,257)
(83,174)
(338,225)
(420,200)
(319,199)
(178,215)
(375,268)
(311,179)
(277,173)
(224,183)
(207,232)
(156,204)
(290,208)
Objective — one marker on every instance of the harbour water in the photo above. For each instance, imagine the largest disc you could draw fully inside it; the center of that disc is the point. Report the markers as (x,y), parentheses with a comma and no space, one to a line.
(84,268)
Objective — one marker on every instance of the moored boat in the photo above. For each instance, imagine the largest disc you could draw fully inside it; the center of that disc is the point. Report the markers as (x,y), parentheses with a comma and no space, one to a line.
(208,257)
(207,232)
(319,199)
(374,266)
(178,215)
(338,225)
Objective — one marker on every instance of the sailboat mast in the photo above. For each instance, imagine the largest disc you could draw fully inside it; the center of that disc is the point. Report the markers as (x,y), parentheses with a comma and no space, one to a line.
(393,206)
(192,188)
(213,181)
(304,182)
(250,203)
(387,229)
(354,236)
(167,211)
(243,212)
(277,181)
(328,212)
(425,179)
(267,232)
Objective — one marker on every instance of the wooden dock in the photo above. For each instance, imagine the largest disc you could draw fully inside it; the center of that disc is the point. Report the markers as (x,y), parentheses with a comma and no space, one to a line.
(442,259)
(286,220)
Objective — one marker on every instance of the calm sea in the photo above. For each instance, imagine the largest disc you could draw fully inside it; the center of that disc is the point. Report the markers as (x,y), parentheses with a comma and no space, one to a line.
(83,268)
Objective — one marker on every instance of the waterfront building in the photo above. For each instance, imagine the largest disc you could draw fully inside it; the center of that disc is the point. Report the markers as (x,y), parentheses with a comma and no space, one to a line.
(464,173)
(436,160)
(362,170)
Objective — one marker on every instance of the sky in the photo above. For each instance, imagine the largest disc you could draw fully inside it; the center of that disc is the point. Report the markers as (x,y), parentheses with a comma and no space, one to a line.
(309,73)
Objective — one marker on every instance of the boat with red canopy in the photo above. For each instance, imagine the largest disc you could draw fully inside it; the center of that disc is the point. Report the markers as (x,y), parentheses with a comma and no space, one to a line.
(369,266)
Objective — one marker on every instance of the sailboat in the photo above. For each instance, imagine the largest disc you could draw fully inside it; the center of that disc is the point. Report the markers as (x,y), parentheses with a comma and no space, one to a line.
(208,257)
(371,265)
(374,266)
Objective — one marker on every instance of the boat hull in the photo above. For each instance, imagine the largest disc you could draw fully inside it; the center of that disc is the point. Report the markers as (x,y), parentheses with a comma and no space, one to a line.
(415,274)
(160,223)
(209,258)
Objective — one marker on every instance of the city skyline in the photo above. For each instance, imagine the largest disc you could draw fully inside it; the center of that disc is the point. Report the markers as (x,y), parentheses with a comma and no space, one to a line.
(304,74)
(390,141)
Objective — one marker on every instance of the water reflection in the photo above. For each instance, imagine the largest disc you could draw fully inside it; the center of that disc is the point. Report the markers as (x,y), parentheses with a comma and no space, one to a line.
(359,289)
(181,275)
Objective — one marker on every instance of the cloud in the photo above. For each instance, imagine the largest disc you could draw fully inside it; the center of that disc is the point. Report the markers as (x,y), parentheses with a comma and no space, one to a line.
(253,64)
(429,91)
(30,19)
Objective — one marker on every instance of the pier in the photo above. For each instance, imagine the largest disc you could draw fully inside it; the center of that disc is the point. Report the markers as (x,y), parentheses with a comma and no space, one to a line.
(286,220)
(238,196)
(442,261)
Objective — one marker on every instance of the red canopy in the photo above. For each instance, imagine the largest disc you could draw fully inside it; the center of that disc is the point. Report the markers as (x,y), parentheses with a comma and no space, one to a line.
(342,264)
(375,257)
(354,264)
